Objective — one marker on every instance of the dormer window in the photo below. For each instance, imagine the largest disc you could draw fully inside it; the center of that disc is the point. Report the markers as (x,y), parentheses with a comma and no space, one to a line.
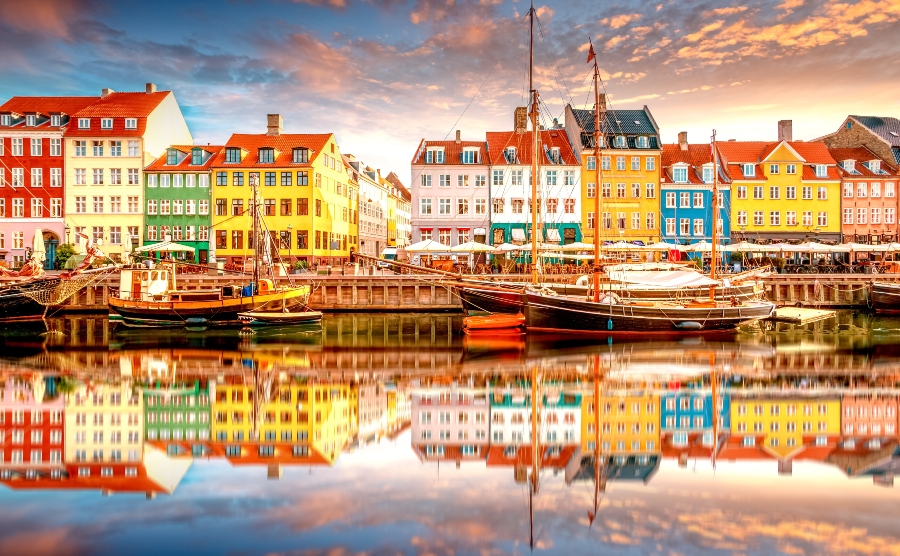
(749,170)
(849,444)
(621,141)
(266,155)
(232,155)
(849,166)
(105,123)
(679,174)
(5,119)
(821,171)
(30,120)
(130,123)
(553,155)
(642,142)
(469,156)
(84,123)
(301,155)
(509,154)
(434,156)
(707,174)
(196,157)
(875,444)
(55,120)
(171,157)
(874,166)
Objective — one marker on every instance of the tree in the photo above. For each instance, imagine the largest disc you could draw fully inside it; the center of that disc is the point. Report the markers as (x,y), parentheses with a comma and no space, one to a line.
(63,252)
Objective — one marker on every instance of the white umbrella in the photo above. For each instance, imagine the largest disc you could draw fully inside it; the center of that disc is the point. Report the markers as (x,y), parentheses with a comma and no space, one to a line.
(623,246)
(471,247)
(661,246)
(545,246)
(742,247)
(577,246)
(165,247)
(428,246)
(699,247)
(37,245)
(504,247)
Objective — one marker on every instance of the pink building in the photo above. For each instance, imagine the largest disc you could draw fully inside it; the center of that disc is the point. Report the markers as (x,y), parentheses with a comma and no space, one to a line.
(868,196)
(446,416)
(869,416)
(31,426)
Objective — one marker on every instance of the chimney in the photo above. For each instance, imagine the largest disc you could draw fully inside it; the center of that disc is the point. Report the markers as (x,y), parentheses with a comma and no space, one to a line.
(275,123)
(682,140)
(457,136)
(785,130)
(105,92)
(151,88)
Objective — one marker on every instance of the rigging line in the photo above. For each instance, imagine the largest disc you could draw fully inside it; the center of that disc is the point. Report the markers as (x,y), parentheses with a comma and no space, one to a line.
(555,63)
(472,99)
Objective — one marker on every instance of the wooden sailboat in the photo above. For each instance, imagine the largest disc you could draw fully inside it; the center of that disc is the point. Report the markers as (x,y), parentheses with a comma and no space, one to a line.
(151,297)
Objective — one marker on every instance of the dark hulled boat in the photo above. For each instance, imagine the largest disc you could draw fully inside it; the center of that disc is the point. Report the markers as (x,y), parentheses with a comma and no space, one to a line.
(16,304)
(886,297)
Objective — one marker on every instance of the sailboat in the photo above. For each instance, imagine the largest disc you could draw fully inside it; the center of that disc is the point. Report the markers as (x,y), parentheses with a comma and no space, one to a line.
(151,297)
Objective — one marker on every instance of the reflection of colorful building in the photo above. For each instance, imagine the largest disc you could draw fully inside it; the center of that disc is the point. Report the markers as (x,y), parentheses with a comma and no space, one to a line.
(104,423)
(620,467)
(782,423)
(446,416)
(628,424)
(688,411)
(869,415)
(559,416)
(878,458)
(520,458)
(31,424)
(372,411)
(264,420)
(177,413)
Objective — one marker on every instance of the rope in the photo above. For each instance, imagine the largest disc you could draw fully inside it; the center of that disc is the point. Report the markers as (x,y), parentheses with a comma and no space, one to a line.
(55,292)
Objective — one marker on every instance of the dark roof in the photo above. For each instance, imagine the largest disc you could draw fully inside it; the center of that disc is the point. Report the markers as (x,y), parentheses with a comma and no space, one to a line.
(632,467)
(630,123)
(887,128)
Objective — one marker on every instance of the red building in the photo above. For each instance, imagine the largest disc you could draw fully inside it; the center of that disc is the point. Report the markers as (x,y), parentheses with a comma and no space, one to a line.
(32,173)
(31,426)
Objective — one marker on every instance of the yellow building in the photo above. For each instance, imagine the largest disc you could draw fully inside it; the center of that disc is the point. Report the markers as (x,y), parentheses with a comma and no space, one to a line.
(269,418)
(108,144)
(784,422)
(309,205)
(105,424)
(628,424)
(629,173)
(782,191)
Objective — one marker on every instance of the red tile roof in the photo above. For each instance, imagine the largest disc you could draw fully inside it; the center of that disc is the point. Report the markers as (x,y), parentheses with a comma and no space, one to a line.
(118,482)
(695,156)
(497,142)
(44,106)
(452,151)
(736,152)
(284,144)
(117,106)
(497,457)
(814,152)
(733,449)
(860,155)
(395,179)
(160,163)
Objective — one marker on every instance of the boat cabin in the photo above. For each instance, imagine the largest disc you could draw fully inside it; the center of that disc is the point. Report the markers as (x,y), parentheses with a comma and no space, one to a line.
(139,283)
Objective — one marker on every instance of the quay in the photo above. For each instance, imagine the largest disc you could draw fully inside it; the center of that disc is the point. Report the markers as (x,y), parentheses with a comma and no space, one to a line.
(428,293)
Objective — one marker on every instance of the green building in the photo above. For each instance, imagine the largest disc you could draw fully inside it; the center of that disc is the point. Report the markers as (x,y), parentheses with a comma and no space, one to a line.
(177,413)
(177,194)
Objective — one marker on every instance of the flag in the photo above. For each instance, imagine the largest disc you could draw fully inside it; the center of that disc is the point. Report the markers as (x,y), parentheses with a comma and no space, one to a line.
(591,54)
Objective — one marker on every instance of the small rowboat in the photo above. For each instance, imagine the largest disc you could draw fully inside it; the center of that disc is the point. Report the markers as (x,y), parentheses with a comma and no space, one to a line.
(494,322)
(262,318)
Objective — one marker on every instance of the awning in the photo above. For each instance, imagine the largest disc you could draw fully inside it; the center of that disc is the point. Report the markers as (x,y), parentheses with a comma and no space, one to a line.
(664,278)
(553,235)
(518,234)
(165,247)
(480,232)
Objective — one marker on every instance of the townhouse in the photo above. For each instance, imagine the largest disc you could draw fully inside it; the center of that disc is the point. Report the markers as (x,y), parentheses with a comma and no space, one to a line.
(32,177)
(629,172)
(107,146)
(868,196)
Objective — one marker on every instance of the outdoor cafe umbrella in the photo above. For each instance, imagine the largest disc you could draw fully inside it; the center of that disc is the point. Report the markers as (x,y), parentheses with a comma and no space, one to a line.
(428,246)
(165,247)
(471,247)
(505,247)
(37,246)
(623,246)
(661,246)
(577,246)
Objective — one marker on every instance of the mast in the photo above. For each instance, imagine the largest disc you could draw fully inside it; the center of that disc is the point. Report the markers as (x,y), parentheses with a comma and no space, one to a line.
(254,182)
(596,276)
(535,148)
(715,218)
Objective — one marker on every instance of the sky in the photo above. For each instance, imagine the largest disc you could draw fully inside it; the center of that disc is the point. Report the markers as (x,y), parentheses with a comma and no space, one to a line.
(383,74)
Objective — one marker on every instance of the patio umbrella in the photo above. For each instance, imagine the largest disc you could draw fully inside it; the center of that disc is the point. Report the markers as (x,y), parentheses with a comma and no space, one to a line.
(165,247)
(428,246)
(699,247)
(504,247)
(577,246)
(37,245)
(471,247)
(623,246)
(661,246)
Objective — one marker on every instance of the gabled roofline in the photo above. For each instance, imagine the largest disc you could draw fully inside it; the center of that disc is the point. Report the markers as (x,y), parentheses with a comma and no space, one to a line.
(790,148)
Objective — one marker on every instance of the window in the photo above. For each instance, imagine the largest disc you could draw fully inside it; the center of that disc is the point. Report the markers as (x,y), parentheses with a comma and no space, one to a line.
(806,192)
(775,218)
(480,206)
(115,204)
(37,177)
(698,226)
(570,206)
(620,163)
(774,168)
(424,206)
(742,192)
(269,178)
(237,178)
(444,206)
(35,147)
(774,192)
(679,175)
(591,190)
(807,218)
(606,191)
(889,215)
(790,169)
(651,220)
(698,200)
(822,220)
(876,189)
(876,215)
(757,218)
(670,226)
(636,162)
(684,200)
(232,155)
(434,156)
(889,189)
(684,225)
(130,123)
(605,163)
(591,163)
(821,171)
(55,208)
(635,221)
(790,218)
(670,200)
(462,180)
(132,176)
(822,193)
(757,192)
(286,178)
(635,191)
(749,170)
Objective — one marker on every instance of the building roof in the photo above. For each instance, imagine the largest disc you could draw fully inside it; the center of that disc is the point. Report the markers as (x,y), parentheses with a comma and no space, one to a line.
(734,449)
(159,165)
(695,156)
(551,458)
(283,144)
(498,141)
(117,106)
(43,106)
(887,128)
(860,155)
(404,192)
(733,154)
(630,123)
(737,152)
(452,151)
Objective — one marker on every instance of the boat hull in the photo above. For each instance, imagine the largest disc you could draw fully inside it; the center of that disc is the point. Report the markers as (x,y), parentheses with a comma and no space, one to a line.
(577,316)
(886,297)
(222,312)
(15,305)
(475,299)
(275,318)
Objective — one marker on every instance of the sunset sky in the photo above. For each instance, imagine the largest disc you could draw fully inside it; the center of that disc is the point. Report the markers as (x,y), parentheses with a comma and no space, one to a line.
(382,74)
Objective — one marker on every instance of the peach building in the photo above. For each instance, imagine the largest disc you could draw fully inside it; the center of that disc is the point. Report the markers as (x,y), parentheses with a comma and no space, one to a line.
(869,415)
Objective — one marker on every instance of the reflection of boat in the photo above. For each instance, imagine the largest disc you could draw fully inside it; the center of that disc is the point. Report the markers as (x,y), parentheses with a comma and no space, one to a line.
(493,322)
(279,318)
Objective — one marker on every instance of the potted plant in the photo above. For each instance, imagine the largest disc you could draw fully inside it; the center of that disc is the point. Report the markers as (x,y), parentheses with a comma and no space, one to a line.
(300,266)
(779,263)
(495,267)
(737,259)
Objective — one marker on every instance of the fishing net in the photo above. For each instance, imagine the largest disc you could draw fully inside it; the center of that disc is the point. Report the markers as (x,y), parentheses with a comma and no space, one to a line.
(54,292)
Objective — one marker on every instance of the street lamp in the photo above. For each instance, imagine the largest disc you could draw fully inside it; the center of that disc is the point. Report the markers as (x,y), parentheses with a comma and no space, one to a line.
(67,233)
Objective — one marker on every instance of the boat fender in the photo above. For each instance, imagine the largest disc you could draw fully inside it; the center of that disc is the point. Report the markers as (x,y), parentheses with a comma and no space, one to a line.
(688,325)
(583,280)
(195,320)
(609,325)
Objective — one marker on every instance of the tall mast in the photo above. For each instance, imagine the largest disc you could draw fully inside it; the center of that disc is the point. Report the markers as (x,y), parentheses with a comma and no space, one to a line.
(715,218)
(597,158)
(535,150)
(254,182)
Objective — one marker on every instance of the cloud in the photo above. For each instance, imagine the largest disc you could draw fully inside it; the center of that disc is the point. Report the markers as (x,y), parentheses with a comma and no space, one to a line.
(619,21)
(51,18)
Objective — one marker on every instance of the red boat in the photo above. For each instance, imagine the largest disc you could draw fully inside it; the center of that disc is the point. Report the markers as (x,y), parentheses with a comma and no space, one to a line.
(494,322)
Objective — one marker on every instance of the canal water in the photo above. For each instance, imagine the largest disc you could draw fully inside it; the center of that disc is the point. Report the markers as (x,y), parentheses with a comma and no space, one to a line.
(398,434)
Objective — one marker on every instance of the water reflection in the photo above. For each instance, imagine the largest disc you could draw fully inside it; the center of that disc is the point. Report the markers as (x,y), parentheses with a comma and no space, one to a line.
(518,442)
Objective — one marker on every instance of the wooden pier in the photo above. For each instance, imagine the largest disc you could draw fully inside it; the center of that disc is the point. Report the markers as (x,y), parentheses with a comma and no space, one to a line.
(426,293)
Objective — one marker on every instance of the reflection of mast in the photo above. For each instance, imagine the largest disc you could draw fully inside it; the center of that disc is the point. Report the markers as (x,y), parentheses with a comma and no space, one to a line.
(536,398)
(599,461)
(261,390)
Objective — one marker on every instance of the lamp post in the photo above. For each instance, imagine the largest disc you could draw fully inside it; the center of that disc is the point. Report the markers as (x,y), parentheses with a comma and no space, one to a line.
(67,233)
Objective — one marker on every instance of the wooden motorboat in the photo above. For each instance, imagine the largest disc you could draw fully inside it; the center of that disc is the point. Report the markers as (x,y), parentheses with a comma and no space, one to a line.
(268,318)
(886,297)
(493,322)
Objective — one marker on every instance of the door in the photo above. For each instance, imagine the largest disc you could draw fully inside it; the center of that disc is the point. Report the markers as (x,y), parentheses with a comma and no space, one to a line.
(50,248)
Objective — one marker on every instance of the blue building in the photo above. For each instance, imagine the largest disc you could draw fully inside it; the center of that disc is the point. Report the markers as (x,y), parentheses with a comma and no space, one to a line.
(688,411)
(686,189)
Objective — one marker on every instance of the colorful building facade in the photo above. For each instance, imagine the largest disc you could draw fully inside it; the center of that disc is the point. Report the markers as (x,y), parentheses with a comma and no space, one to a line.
(104,424)
(178,197)
(32,427)
(780,424)
(868,196)
(178,413)
(869,416)
(108,145)
(627,424)
(629,172)
(32,174)
(308,202)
